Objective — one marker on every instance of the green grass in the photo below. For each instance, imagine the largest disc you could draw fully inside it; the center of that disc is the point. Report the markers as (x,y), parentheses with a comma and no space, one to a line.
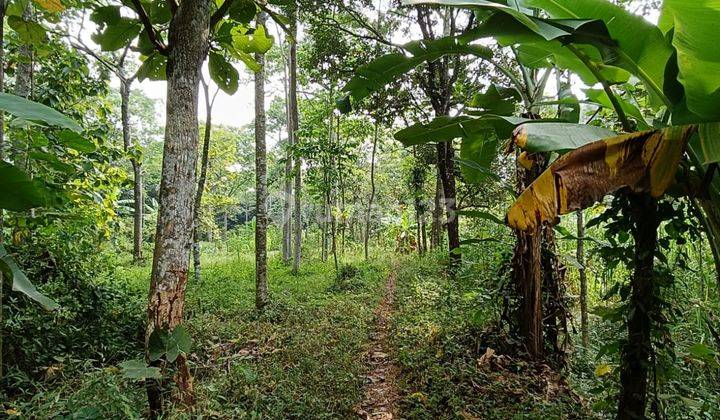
(300,358)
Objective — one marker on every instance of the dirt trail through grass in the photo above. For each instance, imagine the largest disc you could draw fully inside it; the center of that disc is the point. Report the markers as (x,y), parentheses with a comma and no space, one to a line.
(380,391)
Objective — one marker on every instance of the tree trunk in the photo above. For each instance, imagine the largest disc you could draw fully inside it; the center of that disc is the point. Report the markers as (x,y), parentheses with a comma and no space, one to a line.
(638,348)
(288,187)
(188,38)
(125,85)
(446,159)
(372,191)
(436,228)
(261,285)
(294,115)
(580,256)
(202,179)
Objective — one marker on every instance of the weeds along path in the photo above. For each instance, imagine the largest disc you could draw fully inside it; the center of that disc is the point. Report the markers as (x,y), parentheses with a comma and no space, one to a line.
(380,390)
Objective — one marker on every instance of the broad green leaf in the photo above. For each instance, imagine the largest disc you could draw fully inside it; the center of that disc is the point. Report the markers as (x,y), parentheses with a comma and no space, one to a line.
(557,137)
(36,112)
(169,344)
(29,32)
(20,282)
(138,369)
(242,11)
(18,192)
(600,97)
(154,67)
(106,15)
(448,128)
(641,47)
(257,41)
(498,101)
(482,150)
(223,73)
(707,144)
(479,214)
(76,141)
(698,56)
(179,342)
(117,35)
(390,67)
(246,58)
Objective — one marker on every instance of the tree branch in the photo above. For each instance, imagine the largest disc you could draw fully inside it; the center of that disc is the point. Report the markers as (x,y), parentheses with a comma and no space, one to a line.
(220,13)
(152,33)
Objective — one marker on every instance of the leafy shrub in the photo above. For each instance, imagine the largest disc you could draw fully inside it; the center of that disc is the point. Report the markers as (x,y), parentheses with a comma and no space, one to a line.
(348,279)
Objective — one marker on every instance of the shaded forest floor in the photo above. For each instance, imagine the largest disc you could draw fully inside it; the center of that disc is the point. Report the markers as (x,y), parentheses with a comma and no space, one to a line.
(322,349)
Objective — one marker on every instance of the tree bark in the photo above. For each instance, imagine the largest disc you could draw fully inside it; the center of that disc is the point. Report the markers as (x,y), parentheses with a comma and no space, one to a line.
(436,228)
(372,191)
(580,256)
(446,159)
(188,39)
(288,187)
(125,85)
(638,348)
(261,283)
(297,245)
(202,179)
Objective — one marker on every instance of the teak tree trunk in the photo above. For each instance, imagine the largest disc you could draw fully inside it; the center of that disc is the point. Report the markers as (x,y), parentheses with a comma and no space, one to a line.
(261,282)
(3,5)
(189,39)
(288,182)
(366,239)
(638,348)
(294,115)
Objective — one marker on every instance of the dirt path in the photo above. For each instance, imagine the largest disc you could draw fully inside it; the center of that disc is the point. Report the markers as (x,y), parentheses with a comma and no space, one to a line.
(380,390)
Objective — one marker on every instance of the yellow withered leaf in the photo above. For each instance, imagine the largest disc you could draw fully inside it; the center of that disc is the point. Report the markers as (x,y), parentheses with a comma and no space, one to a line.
(644,162)
(53,6)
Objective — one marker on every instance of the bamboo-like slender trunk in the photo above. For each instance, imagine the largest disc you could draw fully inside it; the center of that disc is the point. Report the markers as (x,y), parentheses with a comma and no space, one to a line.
(580,256)
(288,185)
(125,84)
(436,228)
(188,39)
(297,243)
(372,191)
(261,282)
(202,179)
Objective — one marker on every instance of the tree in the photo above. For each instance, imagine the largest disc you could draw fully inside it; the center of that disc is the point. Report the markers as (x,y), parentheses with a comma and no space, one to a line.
(293,117)
(261,281)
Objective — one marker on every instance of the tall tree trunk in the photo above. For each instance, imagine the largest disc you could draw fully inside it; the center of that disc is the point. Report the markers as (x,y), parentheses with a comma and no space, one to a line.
(188,38)
(202,179)
(294,115)
(638,348)
(125,85)
(325,223)
(261,284)
(580,256)
(288,186)
(372,190)
(446,159)
(436,228)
